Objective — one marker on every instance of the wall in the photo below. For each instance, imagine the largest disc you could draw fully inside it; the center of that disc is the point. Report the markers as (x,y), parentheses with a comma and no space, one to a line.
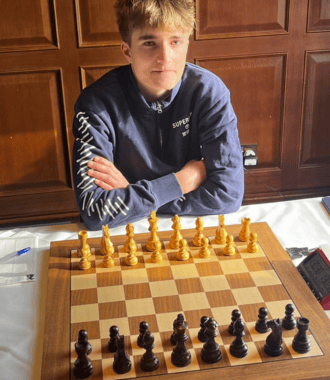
(274,55)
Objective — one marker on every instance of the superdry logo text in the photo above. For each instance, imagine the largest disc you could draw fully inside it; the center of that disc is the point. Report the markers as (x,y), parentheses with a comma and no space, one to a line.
(185,123)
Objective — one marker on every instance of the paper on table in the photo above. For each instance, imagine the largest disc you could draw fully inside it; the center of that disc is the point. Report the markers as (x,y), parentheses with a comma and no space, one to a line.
(15,269)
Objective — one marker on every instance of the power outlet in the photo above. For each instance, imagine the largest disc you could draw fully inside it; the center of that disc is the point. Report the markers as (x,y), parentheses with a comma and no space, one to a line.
(250,155)
(253,147)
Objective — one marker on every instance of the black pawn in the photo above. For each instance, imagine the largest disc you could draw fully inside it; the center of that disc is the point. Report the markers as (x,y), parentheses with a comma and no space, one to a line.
(273,346)
(235,315)
(211,350)
(289,321)
(121,363)
(239,348)
(175,324)
(301,342)
(201,333)
(262,323)
(114,334)
(149,361)
(144,327)
(83,366)
(181,357)
(83,337)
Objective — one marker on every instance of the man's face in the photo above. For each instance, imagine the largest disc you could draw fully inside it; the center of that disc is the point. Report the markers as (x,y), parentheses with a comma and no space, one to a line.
(157,58)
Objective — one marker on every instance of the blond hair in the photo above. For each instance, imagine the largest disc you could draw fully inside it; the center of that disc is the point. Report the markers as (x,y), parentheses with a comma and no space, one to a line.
(158,14)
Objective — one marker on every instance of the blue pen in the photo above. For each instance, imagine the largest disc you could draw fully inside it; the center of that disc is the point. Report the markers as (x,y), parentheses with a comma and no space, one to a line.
(23,251)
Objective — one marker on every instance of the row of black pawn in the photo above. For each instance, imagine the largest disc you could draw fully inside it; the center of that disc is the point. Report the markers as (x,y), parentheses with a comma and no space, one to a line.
(180,356)
(210,353)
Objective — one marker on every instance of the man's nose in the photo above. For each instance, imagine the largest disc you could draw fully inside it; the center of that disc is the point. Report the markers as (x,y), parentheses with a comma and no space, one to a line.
(164,54)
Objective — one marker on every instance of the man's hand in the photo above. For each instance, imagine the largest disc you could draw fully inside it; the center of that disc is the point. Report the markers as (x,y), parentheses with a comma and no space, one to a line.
(192,176)
(106,175)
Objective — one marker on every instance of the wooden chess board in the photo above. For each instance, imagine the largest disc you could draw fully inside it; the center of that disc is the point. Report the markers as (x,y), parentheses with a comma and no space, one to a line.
(124,296)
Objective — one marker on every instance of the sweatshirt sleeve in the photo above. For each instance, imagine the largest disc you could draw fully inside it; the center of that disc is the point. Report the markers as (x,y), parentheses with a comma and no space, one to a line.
(223,190)
(94,137)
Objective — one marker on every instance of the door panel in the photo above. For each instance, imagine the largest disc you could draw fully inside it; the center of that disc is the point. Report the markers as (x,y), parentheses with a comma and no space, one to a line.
(240,18)
(256,85)
(27,25)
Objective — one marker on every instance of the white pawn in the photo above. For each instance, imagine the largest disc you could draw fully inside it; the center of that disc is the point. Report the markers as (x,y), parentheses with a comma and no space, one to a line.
(229,249)
(108,261)
(204,252)
(131,259)
(183,253)
(156,256)
(253,246)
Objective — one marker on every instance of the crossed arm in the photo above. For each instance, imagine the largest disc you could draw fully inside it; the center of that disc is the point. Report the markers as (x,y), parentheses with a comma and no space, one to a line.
(108,177)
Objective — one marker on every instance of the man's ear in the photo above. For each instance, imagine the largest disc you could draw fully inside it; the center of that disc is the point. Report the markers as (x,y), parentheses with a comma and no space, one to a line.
(125,49)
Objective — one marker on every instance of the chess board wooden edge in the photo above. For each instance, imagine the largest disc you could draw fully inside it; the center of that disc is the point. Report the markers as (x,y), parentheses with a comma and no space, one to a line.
(56,342)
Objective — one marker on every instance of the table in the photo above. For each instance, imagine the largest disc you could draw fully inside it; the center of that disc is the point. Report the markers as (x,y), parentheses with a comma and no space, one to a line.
(300,223)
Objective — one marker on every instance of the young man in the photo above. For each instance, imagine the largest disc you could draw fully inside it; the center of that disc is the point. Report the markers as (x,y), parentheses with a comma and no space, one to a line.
(157,134)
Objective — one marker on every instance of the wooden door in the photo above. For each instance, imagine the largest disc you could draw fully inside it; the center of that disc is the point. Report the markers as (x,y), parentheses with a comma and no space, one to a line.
(274,55)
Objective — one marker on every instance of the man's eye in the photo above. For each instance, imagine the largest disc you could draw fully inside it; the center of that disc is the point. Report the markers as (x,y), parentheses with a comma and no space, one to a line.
(149,43)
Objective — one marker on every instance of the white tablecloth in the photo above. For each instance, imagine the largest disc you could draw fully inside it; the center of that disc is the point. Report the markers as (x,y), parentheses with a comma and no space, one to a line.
(301,223)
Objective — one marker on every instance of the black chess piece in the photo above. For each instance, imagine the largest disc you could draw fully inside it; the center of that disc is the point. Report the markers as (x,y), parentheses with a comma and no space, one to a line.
(175,323)
(262,323)
(201,333)
(211,350)
(239,348)
(83,366)
(149,361)
(301,342)
(273,346)
(235,315)
(121,363)
(289,321)
(144,327)
(114,334)
(181,356)
(83,337)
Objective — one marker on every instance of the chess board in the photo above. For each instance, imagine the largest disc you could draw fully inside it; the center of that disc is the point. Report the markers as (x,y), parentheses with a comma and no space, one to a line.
(124,296)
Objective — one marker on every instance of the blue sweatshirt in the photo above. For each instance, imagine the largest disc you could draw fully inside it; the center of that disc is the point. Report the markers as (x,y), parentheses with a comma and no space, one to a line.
(148,143)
